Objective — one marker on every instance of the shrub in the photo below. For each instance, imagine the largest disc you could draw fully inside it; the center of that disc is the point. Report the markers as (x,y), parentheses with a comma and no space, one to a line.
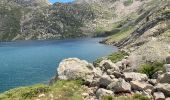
(150,68)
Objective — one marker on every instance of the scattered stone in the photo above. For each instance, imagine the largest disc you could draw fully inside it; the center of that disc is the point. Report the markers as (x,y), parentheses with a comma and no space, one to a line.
(165,78)
(105,80)
(157,74)
(85,95)
(110,71)
(165,88)
(118,74)
(112,76)
(158,96)
(120,86)
(41,95)
(74,68)
(152,81)
(167,67)
(108,64)
(103,92)
(140,86)
(132,76)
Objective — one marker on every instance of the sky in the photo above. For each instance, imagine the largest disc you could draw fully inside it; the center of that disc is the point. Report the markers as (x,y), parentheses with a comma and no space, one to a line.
(64,1)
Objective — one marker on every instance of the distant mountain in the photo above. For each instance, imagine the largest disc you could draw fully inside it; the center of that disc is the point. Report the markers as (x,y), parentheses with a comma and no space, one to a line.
(38,19)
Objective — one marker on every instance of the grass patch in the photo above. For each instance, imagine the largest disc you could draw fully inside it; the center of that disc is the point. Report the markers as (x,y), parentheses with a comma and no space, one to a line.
(150,68)
(124,33)
(114,57)
(117,56)
(61,90)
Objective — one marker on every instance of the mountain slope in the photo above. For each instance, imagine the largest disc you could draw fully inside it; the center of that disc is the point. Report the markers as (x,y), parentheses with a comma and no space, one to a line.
(147,37)
(38,19)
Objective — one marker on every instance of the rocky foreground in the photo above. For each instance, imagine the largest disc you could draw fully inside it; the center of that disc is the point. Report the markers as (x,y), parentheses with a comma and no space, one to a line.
(115,79)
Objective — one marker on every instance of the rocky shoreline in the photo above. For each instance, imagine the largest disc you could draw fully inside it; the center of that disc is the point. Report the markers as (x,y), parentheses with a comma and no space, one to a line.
(115,79)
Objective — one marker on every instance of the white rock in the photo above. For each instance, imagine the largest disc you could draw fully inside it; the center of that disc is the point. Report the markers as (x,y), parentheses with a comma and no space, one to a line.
(74,68)
(41,95)
(167,99)
(158,96)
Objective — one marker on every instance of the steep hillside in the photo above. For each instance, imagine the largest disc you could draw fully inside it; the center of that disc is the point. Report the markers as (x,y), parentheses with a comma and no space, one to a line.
(38,19)
(146,37)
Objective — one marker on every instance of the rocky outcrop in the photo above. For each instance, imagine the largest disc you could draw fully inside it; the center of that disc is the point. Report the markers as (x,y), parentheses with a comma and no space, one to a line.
(107,79)
(74,68)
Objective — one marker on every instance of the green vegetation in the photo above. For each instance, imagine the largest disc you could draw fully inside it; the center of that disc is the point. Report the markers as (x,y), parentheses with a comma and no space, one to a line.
(150,68)
(128,2)
(134,97)
(124,33)
(63,90)
(117,56)
(114,57)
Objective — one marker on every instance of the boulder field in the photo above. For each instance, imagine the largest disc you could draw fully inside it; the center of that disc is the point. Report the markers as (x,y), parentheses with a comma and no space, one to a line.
(112,79)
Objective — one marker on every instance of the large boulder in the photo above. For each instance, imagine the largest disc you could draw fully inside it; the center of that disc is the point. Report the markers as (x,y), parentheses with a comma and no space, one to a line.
(74,68)
(120,86)
(158,96)
(165,88)
(165,78)
(132,76)
(108,64)
(103,92)
(140,86)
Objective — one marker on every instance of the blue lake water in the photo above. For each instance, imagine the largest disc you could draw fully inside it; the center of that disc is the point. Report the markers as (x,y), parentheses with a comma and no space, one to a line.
(29,62)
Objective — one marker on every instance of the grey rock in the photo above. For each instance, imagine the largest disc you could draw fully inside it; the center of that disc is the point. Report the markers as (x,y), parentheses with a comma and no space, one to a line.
(140,86)
(132,76)
(167,67)
(165,78)
(168,60)
(105,80)
(158,96)
(103,92)
(152,81)
(108,64)
(118,74)
(120,86)
(164,88)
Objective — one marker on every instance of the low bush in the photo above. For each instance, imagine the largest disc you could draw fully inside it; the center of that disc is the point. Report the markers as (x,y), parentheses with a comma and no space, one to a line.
(150,68)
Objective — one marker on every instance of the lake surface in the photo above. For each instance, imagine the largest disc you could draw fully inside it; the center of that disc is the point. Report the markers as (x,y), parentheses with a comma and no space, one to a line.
(29,62)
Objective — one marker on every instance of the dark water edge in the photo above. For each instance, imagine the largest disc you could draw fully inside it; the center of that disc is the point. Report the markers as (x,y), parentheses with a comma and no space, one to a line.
(25,63)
